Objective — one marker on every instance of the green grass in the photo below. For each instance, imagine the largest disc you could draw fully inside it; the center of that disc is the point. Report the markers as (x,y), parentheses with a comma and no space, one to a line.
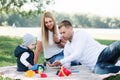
(8,44)
(106,42)
(2,78)
(113,77)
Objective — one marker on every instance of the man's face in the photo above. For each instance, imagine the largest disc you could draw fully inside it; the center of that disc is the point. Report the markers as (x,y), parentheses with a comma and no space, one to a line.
(66,33)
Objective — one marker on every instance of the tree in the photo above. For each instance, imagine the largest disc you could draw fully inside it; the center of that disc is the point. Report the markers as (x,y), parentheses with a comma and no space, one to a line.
(16,5)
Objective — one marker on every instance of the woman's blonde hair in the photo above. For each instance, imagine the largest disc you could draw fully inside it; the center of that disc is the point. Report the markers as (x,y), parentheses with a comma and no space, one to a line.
(44,32)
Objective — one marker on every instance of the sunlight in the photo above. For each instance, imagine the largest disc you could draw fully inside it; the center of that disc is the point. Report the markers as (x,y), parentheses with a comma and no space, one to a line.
(99,7)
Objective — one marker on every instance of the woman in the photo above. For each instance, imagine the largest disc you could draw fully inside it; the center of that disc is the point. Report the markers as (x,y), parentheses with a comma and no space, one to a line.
(49,40)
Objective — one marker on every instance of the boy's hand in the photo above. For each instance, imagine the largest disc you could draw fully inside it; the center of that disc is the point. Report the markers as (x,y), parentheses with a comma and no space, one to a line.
(34,67)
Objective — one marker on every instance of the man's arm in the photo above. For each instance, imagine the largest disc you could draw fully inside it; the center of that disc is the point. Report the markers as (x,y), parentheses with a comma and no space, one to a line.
(76,47)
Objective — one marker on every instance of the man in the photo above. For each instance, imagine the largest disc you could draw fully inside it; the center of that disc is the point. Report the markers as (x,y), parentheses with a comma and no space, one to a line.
(81,47)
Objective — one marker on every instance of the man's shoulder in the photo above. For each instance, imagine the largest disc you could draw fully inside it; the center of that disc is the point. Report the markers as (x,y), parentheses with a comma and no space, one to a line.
(81,32)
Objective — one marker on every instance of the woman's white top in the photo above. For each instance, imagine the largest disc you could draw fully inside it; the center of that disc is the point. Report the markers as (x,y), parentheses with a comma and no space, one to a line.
(52,49)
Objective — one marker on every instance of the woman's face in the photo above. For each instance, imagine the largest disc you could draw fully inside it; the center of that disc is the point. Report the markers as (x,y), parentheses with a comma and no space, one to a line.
(49,23)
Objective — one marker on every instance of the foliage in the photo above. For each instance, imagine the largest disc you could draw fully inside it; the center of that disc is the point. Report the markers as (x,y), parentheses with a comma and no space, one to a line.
(16,6)
(20,21)
(12,12)
(78,20)
(89,20)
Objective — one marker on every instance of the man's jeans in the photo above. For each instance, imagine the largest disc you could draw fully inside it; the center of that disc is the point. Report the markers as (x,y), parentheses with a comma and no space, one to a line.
(60,56)
(56,57)
(107,59)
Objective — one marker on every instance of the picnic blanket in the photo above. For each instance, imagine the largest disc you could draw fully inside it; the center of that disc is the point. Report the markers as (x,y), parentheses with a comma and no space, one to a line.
(82,74)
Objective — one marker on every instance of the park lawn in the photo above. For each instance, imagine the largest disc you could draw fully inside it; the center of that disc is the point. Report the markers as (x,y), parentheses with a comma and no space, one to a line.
(6,78)
(8,44)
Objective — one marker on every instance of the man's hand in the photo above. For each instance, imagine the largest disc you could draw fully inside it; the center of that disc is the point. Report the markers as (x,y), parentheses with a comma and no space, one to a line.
(51,65)
(56,63)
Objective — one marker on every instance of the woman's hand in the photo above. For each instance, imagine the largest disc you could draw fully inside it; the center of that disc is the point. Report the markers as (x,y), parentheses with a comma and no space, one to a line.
(62,43)
(56,39)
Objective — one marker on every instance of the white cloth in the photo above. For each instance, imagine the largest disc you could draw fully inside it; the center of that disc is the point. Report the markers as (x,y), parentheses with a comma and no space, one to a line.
(23,58)
(82,48)
(52,49)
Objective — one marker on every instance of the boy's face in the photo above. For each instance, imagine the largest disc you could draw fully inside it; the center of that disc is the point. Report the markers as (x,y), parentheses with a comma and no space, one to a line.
(32,45)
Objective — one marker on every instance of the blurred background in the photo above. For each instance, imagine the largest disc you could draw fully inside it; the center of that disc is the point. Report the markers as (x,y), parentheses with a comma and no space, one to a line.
(101,18)
(82,13)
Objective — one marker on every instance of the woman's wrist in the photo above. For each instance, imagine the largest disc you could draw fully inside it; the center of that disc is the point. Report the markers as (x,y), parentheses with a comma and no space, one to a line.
(58,42)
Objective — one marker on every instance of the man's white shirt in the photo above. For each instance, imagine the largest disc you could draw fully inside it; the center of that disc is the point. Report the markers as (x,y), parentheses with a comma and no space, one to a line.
(83,48)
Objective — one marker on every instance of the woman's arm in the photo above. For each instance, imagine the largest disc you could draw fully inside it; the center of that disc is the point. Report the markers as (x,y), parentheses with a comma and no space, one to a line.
(60,42)
(38,51)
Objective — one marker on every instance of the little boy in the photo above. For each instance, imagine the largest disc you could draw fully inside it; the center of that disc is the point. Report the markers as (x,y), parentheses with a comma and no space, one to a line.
(25,54)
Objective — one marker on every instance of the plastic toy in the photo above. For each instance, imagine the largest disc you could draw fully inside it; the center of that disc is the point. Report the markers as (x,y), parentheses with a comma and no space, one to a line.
(30,73)
(64,72)
(36,71)
(43,75)
(40,69)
